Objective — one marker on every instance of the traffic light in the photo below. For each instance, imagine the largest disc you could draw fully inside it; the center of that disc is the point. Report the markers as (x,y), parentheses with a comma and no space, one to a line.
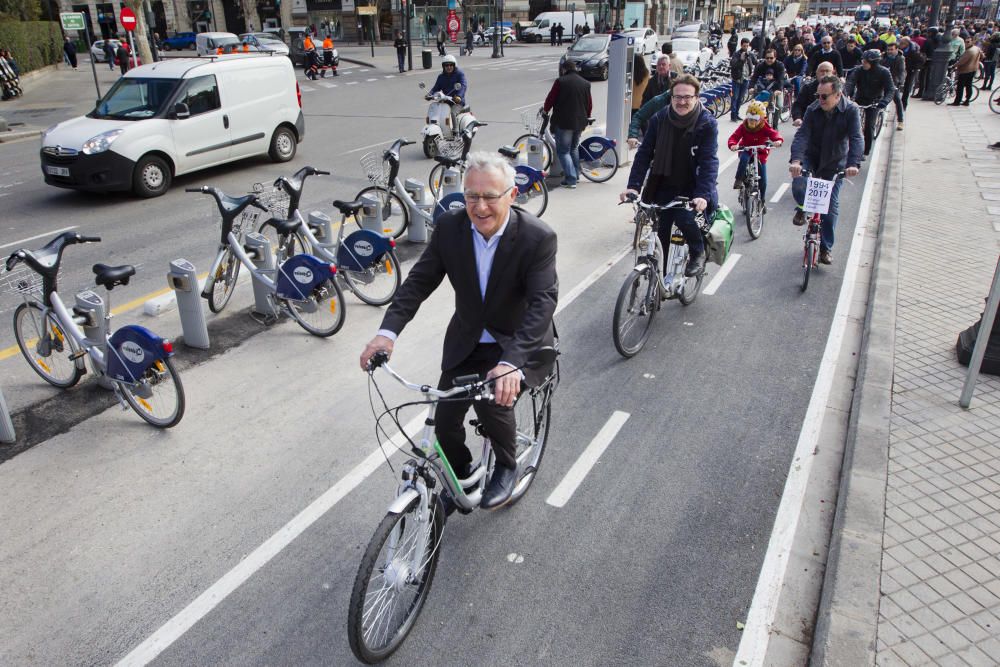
(411,10)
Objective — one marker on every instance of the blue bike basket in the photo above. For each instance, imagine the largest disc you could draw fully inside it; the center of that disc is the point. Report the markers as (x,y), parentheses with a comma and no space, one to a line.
(362,249)
(298,276)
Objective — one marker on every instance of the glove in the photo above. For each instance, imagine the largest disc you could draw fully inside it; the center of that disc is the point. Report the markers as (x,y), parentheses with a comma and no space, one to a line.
(457,99)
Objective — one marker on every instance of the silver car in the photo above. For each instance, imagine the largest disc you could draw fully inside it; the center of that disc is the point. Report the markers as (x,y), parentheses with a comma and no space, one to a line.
(97,50)
(264,42)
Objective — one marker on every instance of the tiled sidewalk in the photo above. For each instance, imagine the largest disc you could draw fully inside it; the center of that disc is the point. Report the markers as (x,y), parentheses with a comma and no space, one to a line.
(940,583)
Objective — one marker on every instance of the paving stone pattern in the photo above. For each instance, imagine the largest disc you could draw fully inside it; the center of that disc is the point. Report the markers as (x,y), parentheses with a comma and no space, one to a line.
(940,583)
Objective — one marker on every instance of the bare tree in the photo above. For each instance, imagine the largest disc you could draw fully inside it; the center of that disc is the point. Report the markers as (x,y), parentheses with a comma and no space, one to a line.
(141,30)
(249,9)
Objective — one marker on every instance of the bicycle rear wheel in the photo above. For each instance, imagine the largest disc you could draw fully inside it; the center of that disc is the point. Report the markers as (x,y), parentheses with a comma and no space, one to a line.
(435,179)
(377,284)
(995,101)
(46,346)
(388,595)
(322,314)
(975,94)
(754,214)
(158,396)
(223,283)
(532,414)
(634,311)
(599,168)
(395,214)
(535,199)
(521,144)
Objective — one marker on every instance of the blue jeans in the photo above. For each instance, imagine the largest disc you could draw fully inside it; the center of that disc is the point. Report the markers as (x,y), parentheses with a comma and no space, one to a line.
(829,220)
(740,89)
(741,170)
(567,142)
(401,57)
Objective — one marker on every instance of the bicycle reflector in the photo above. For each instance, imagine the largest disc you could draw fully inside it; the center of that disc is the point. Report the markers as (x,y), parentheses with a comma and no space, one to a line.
(333,268)
(168,347)
(392,243)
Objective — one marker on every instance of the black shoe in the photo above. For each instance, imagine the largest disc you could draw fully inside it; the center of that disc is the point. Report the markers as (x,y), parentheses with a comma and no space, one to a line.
(965,104)
(955,104)
(800,218)
(500,488)
(696,265)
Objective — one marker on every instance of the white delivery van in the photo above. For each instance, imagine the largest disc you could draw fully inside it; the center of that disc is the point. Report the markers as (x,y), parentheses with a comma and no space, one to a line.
(174,117)
(209,43)
(541,26)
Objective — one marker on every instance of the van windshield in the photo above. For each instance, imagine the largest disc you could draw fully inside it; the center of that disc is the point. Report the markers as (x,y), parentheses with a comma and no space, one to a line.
(135,99)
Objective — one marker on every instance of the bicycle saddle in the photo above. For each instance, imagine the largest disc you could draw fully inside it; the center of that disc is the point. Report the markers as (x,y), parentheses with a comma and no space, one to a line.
(508,152)
(285,227)
(112,276)
(448,161)
(348,207)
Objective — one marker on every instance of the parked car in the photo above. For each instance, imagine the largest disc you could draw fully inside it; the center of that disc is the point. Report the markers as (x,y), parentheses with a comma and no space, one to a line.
(264,42)
(174,117)
(507,35)
(695,30)
(645,39)
(692,52)
(590,53)
(97,50)
(209,43)
(180,40)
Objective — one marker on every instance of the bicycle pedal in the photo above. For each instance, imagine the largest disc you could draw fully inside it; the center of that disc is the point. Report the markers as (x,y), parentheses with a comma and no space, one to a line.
(77,355)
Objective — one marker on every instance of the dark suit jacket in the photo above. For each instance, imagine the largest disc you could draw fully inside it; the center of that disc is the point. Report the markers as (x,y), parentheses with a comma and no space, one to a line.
(520,298)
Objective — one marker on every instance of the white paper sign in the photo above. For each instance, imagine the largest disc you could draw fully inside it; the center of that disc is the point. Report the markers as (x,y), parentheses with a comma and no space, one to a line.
(818,193)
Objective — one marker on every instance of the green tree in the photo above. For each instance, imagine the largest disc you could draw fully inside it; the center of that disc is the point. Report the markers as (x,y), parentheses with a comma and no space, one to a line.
(20,10)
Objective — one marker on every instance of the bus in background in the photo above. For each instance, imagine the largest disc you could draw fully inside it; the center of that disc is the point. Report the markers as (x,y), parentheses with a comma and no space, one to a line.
(863,14)
(883,9)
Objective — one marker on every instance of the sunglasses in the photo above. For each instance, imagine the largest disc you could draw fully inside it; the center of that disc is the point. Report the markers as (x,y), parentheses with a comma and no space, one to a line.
(825,96)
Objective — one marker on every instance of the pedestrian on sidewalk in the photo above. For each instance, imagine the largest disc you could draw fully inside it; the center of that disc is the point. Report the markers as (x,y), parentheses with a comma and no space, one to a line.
(328,55)
(741,67)
(991,50)
(570,102)
(966,67)
(640,78)
(69,48)
(828,142)
(441,38)
(469,36)
(109,53)
(400,45)
(914,60)
(122,56)
(896,64)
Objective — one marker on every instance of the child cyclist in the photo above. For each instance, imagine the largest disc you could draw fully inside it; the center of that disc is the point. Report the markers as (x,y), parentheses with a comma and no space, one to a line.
(754,131)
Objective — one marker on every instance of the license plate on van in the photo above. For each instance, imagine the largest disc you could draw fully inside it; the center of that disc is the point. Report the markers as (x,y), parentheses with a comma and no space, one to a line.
(57,171)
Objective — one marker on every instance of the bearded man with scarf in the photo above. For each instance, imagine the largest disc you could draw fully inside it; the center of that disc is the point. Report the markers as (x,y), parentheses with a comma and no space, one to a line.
(679,152)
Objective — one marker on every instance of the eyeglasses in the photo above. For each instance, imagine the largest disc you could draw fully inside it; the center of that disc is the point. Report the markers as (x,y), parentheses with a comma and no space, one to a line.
(825,96)
(683,98)
(476,197)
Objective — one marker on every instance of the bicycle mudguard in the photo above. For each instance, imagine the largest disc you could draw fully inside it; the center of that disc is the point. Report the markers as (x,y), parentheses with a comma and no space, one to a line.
(299,275)
(131,351)
(402,501)
(452,202)
(361,249)
(525,177)
(592,148)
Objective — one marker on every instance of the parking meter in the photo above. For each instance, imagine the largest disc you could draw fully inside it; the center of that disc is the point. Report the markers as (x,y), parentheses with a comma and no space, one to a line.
(620,55)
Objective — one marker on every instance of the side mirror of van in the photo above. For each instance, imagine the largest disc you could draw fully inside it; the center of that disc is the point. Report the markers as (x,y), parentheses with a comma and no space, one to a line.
(181,111)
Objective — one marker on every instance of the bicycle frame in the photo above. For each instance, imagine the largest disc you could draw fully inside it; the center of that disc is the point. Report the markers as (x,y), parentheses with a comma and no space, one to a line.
(649,248)
(97,351)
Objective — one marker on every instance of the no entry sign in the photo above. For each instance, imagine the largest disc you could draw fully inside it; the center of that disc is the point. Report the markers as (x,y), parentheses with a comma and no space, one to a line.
(128,19)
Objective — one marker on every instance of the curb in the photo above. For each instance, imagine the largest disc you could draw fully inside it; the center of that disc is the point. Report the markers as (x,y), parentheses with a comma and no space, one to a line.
(847,617)
(22,134)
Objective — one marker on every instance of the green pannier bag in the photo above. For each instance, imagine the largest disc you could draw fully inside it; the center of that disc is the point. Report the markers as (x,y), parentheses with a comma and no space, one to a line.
(719,238)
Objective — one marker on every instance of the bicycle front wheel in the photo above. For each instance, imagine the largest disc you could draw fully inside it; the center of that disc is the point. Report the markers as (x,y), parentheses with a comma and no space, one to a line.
(599,168)
(535,199)
(808,259)
(46,346)
(532,414)
(435,179)
(377,284)
(995,101)
(322,314)
(754,214)
(941,94)
(975,94)
(395,214)
(635,310)
(158,396)
(521,144)
(879,121)
(393,581)
(223,283)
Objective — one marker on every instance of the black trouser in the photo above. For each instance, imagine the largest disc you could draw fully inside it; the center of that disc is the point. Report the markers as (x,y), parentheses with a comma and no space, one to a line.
(497,421)
(441,48)
(911,77)
(964,86)
(989,71)
(869,123)
(897,99)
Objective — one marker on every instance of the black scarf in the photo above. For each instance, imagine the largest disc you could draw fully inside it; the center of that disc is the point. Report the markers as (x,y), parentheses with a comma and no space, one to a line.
(671,129)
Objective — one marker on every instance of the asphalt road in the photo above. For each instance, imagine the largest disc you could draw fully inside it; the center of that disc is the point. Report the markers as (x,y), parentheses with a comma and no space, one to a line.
(111,530)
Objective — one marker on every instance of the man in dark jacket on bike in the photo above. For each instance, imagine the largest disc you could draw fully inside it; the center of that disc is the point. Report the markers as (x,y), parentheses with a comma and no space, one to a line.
(808,93)
(769,75)
(826,53)
(850,55)
(828,142)
(570,102)
(679,152)
(871,84)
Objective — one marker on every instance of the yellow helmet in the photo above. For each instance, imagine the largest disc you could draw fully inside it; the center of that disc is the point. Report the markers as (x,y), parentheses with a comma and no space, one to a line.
(757,108)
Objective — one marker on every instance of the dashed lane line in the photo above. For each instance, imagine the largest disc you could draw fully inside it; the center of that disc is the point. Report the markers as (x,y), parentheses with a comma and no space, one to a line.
(781,191)
(38,236)
(716,282)
(576,474)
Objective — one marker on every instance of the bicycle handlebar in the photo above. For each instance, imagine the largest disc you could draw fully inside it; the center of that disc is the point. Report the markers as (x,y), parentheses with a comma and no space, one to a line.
(467,384)
(676,202)
(769,144)
(87,239)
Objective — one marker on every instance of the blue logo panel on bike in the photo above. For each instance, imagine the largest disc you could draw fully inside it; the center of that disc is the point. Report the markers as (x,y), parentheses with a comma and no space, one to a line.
(362,249)
(298,276)
(592,148)
(453,201)
(526,177)
(131,351)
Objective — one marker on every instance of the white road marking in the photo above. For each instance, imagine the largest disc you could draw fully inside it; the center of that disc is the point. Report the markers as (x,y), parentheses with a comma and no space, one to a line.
(352,83)
(390,76)
(591,279)
(764,606)
(728,163)
(371,79)
(364,148)
(562,493)
(716,282)
(327,84)
(306,89)
(781,190)
(528,106)
(37,236)
(173,629)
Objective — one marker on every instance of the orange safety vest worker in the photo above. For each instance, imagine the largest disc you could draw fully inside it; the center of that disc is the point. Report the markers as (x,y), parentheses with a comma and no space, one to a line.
(327,43)
(218,51)
(307,44)
(246,48)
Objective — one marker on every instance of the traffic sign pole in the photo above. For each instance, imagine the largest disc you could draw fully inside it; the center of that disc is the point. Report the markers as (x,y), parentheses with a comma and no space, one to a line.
(128,21)
(74,21)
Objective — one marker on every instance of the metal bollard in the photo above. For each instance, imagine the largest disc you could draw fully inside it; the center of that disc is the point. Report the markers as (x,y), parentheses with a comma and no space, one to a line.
(371,213)
(451,182)
(536,157)
(417,231)
(183,279)
(7,434)
(91,306)
(321,226)
(259,249)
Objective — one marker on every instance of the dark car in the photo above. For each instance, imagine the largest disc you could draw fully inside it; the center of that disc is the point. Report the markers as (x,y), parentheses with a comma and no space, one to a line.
(590,53)
(181,40)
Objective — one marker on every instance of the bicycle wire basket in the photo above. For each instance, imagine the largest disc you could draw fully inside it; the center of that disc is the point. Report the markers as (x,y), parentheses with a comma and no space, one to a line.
(450,148)
(22,281)
(376,169)
(277,202)
(532,121)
